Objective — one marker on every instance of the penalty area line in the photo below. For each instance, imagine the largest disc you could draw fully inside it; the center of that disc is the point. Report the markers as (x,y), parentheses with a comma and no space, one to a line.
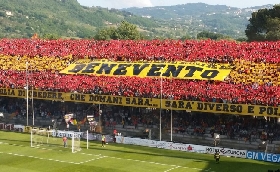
(173,168)
(161,164)
(35,157)
(94,159)
(100,156)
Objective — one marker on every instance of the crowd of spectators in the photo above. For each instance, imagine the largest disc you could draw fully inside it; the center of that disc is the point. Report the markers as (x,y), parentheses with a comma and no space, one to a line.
(207,91)
(168,50)
(244,128)
(254,78)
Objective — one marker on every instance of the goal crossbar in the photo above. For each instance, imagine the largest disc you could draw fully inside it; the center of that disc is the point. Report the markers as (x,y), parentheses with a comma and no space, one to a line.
(54,138)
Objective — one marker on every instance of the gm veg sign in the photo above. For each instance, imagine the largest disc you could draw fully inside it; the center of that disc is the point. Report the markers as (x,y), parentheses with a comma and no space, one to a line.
(261,156)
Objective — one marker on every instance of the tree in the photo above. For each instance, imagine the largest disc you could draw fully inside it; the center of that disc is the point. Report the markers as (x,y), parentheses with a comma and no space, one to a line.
(105,34)
(264,25)
(125,31)
(211,35)
(274,29)
(128,31)
(2,14)
(50,36)
(241,39)
(185,37)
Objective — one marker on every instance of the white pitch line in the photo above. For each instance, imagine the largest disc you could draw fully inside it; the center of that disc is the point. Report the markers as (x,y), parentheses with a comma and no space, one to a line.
(14,154)
(93,159)
(100,157)
(169,169)
(172,168)
(197,168)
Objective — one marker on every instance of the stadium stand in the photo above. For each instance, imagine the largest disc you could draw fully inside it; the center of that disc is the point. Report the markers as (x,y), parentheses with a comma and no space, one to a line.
(253,80)
(254,77)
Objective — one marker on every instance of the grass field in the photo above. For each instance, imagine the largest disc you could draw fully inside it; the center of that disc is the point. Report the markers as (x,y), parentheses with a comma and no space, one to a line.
(16,155)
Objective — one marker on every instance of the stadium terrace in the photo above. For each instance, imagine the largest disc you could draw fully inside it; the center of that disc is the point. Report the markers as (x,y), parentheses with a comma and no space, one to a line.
(224,87)
(247,73)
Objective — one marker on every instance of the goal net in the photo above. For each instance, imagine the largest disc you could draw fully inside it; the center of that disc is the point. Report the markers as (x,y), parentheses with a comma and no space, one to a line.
(37,137)
(75,142)
(40,137)
(43,137)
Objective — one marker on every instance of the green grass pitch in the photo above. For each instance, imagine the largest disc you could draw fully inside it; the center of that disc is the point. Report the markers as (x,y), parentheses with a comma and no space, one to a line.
(16,155)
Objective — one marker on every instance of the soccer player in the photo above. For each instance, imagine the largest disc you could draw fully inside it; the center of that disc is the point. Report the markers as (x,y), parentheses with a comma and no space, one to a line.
(217,156)
(103,140)
(64,139)
(115,133)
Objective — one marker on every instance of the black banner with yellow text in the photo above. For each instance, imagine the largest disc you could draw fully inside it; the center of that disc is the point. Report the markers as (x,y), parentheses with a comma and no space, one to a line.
(180,70)
(225,108)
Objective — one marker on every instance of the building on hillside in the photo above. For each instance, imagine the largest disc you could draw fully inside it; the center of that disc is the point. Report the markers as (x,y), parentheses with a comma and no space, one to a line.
(9,13)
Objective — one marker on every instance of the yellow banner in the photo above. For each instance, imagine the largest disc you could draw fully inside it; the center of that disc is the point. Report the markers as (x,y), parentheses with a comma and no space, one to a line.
(224,108)
(179,70)
(27,129)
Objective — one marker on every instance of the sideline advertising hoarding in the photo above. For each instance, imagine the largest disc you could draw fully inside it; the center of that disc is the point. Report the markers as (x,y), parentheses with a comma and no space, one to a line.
(262,156)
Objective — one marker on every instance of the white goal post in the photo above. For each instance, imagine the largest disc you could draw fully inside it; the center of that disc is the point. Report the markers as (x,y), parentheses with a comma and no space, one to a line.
(44,137)
(38,136)
(76,143)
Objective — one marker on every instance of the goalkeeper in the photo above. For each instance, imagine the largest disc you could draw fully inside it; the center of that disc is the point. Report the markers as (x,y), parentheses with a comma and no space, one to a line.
(64,139)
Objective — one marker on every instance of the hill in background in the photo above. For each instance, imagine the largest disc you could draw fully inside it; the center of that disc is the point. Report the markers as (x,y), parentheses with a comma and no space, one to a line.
(193,18)
(60,17)
(67,18)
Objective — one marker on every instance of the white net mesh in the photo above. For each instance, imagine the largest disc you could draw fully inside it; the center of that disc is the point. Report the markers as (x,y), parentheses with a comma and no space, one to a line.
(44,137)
(38,137)
(76,142)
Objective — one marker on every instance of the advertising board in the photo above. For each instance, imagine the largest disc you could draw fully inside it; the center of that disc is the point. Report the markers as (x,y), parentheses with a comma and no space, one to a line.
(227,152)
(262,156)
